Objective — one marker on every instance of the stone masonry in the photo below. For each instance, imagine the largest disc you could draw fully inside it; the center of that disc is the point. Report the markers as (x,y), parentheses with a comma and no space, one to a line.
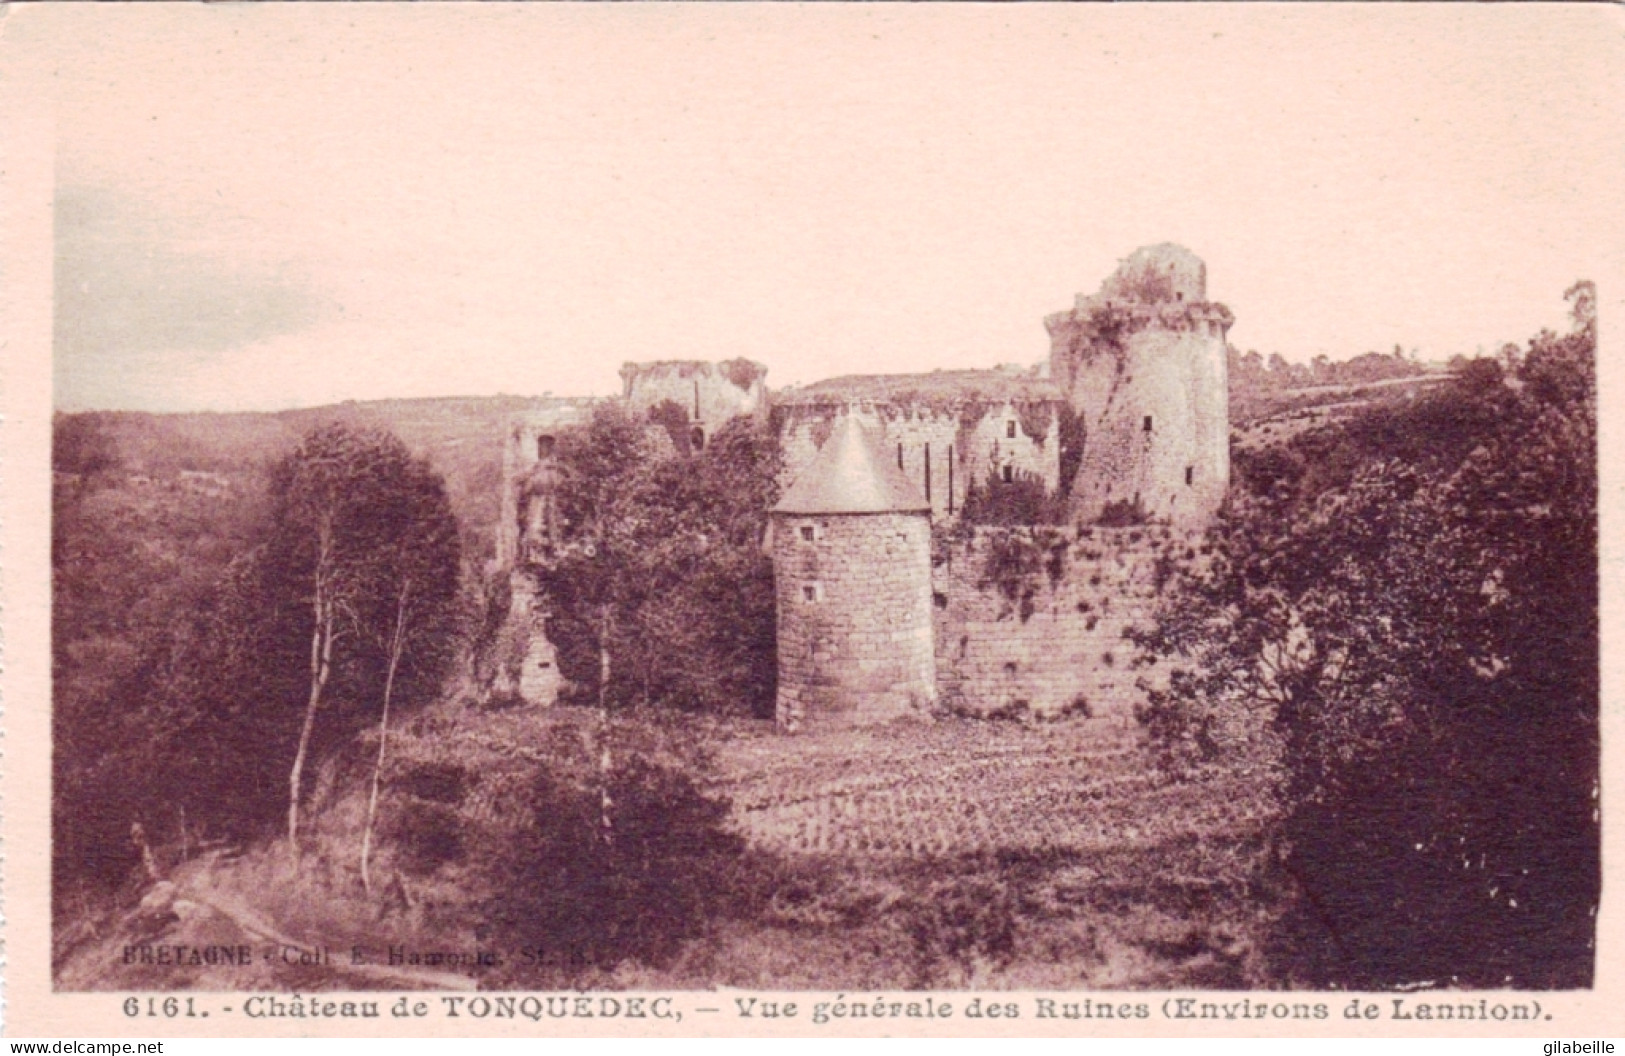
(1144,365)
(948,431)
(1016,622)
(1037,647)
(851,548)
(710,394)
(855,637)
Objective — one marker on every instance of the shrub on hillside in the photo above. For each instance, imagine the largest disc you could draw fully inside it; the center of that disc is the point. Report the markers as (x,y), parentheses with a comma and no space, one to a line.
(579,897)
(191,733)
(960,928)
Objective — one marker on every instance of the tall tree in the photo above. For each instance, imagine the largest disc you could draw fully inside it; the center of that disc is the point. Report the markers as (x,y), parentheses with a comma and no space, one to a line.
(412,615)
(659,590)
(661,570)
(340,530)
(596,576)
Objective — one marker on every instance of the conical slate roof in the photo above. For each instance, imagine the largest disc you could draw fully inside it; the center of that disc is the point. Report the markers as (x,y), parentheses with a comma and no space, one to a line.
(850,476)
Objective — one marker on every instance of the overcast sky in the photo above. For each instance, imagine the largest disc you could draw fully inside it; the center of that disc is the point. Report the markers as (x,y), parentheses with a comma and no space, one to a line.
(266,206)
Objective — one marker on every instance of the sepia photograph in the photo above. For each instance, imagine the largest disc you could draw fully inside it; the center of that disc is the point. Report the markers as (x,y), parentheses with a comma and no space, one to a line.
(883,500)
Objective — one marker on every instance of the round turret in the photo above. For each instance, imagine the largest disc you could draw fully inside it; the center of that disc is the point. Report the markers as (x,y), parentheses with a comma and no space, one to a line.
(851,547)
(1143,364)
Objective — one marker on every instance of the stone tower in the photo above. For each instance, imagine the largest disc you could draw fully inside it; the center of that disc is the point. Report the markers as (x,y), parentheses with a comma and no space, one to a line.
(851,547)
(1143,364)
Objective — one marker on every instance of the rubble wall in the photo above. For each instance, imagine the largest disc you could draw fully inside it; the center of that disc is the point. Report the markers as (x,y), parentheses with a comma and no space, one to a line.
(1050,640)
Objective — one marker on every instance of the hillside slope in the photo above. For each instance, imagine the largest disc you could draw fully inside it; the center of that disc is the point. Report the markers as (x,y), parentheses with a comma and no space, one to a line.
(955,853)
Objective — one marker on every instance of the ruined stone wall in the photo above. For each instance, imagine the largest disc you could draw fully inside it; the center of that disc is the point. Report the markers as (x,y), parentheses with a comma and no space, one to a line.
(522,451)
(539,680)
(854,617)
(521,662)
(960,448)
(1156,423)
(507,531)
(1050,642)
(1164,272)
(710,393)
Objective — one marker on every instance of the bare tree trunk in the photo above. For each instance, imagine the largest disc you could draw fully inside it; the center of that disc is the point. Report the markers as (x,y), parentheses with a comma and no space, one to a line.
(397,643)
(323,658)
(606,824)
(321,661)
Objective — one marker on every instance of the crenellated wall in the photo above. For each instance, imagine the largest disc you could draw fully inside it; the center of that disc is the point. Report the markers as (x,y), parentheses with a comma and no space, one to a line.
(961,445)
(1032,621)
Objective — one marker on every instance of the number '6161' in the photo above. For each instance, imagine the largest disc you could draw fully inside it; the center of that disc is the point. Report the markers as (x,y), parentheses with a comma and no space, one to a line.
(168,1008)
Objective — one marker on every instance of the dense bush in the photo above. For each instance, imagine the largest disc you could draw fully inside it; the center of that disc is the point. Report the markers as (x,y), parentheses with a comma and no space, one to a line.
(1397,636)
(1022,500)
(580,896)
(144,569)
(964,922)
(182,638)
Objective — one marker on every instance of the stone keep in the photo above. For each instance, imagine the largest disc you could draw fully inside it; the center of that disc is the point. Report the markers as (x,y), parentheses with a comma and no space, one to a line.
(1143,364)
(851,547)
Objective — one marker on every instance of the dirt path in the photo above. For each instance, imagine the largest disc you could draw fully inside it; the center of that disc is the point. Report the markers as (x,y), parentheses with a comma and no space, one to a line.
(181,937)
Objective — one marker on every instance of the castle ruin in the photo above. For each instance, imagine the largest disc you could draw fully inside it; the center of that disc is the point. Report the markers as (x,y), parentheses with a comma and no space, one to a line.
(704,396)
(1126,426)
(949,431)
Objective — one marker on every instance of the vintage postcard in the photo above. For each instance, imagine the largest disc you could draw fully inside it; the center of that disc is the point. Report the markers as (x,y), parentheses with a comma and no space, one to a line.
(811,520)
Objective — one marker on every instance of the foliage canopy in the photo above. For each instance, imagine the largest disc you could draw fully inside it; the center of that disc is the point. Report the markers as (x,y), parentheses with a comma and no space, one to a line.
(1397,636)
(661,563)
